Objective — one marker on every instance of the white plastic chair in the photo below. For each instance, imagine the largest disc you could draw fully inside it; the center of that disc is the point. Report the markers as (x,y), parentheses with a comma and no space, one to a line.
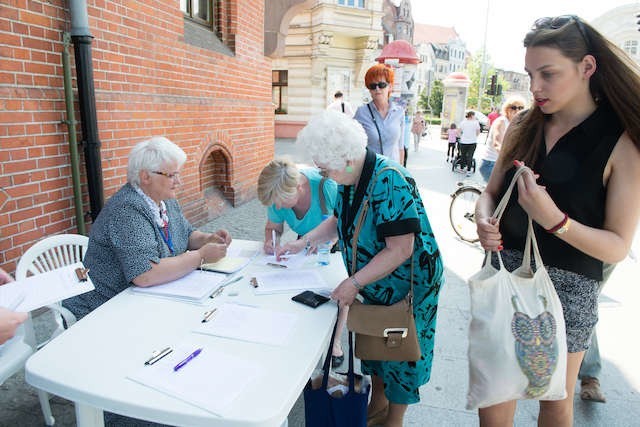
(46,255)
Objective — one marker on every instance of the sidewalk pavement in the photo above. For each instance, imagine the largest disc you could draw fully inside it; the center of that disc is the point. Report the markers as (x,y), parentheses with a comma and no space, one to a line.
(443,398)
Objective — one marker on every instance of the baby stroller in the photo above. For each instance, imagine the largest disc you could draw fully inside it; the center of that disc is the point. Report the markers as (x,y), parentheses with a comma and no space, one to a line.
(459,164)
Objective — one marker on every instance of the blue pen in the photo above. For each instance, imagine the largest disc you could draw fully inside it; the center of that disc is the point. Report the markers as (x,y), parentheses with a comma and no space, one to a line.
(187,360)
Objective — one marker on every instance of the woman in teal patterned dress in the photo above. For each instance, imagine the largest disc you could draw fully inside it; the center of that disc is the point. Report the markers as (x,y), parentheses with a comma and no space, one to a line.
(395,229)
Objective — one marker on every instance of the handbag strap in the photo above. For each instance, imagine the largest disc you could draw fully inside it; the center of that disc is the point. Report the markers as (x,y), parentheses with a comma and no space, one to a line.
(360,222)
(530,241)
(375,122)
(327,360)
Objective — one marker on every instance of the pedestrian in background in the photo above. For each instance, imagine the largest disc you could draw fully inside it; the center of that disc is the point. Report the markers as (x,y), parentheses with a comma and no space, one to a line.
(339,104)
(468,131)
(452,140)
(382,120)
(417,129)
(493,115)
(582,142)
(512,106)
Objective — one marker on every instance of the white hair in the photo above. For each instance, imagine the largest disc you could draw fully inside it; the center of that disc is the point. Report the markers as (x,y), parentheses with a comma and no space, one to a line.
(152,155)
(332,138)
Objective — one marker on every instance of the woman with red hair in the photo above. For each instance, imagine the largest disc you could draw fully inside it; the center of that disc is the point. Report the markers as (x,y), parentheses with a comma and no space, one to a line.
(382,120)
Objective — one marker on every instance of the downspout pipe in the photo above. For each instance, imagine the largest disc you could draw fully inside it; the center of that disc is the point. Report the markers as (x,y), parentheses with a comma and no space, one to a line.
(82,40)
(73,143)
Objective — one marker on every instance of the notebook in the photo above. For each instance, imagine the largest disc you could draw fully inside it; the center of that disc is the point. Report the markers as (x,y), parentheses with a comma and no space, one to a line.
(193,287)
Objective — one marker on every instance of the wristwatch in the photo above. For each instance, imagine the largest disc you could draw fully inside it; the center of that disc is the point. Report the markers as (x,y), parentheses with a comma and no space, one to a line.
(564,228)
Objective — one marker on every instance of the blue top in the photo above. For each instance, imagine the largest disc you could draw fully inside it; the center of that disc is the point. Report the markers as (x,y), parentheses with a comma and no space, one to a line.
(391,129)
(124,242)
(313,217)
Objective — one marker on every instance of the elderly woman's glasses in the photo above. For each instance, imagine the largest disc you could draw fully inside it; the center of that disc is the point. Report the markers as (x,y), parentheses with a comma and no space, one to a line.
(517,107)
(374,86)
(174,175)
(556,22)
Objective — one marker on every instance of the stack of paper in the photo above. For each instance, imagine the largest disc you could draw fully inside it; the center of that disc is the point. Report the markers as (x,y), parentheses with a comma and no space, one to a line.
(42,289)
(247,323)
(285,280)
(193,287)
(211,381)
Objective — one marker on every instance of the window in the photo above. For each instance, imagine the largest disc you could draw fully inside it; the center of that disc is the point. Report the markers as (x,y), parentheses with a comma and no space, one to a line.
(352,3)
(200,11)
(279,86)
(631,47)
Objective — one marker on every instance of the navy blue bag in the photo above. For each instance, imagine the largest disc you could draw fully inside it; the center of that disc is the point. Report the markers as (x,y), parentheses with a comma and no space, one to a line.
(323,410)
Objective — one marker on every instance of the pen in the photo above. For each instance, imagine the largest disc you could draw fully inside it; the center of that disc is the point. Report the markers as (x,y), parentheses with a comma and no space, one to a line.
(273,240)
(271,264)
(157,356)
(217,292)
(208,314)
(234,280)
(186,360)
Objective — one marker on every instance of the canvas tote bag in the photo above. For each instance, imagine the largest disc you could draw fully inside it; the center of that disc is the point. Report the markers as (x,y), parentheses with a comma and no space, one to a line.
(517,339)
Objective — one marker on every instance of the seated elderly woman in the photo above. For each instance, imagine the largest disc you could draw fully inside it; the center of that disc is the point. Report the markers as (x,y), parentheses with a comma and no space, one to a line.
(141,237)
(394,233)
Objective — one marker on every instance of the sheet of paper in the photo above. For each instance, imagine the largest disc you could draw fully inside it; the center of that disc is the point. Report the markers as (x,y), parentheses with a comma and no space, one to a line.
(211,381)
(288,280)
(292,261)
(194,286)
(238,256)
(247,323)
(42,289)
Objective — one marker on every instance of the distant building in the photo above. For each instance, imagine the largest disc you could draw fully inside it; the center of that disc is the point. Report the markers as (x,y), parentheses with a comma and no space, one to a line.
(620,25)
(441,51)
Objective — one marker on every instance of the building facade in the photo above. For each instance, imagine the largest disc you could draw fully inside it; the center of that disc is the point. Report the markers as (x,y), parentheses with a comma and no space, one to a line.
(620,25)
(193,71)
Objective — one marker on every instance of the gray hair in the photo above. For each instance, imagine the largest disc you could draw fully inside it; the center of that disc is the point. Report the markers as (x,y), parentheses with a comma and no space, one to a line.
(152,155)
(332,138)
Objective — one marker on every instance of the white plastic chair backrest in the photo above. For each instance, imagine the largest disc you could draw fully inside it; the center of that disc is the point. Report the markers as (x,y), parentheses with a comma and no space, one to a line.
(51,253)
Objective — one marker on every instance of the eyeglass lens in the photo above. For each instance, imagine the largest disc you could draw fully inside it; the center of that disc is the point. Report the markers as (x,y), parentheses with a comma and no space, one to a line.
(380,85)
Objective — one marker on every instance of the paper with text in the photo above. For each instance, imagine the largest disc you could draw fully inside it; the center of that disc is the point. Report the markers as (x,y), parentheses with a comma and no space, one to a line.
(292,261)
(246,323)
(45,288)
(194,286)
(211,381)
(285,280)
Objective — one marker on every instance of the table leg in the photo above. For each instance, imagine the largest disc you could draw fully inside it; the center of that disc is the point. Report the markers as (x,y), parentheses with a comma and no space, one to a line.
(88,416)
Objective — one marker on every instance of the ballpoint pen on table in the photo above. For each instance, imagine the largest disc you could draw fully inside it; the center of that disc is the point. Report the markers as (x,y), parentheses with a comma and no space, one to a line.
(208,314)
(273,240)
(273,264)
(156,356)
(186,360)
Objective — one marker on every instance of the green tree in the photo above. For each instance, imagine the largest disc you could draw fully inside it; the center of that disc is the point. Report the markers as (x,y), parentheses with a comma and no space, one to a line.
(432,103)
(474,70)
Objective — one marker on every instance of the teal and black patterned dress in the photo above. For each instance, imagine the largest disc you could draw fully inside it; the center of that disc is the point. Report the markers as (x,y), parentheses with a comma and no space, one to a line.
(395,208)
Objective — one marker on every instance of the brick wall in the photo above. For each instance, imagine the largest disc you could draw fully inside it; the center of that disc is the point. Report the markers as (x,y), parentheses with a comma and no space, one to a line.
(148,82)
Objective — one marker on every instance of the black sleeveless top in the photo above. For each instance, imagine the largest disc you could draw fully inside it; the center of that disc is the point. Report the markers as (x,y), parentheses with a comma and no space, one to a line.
(572,173)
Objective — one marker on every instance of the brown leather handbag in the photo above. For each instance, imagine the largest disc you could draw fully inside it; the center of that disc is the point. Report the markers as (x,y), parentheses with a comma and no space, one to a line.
(383,332)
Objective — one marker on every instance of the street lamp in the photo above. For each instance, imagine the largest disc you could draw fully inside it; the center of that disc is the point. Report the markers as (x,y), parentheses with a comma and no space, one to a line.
(483,67)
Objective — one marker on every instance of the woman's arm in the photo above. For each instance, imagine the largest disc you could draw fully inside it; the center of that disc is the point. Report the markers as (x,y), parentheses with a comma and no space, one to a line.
(197,238)
(498,133)
(397,250)
(610,244)
(487,227)
(269,228)
(326,231)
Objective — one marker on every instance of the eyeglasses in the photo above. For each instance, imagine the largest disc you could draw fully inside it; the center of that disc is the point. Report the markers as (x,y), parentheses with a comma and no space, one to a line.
(556,22)
(517,107)
(174,175)
(374,86)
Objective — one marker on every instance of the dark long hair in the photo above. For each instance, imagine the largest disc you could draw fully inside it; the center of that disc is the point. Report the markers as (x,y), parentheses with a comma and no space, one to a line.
(616,81)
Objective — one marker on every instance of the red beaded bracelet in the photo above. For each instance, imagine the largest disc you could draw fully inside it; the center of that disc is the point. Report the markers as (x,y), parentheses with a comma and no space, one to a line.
(558,226)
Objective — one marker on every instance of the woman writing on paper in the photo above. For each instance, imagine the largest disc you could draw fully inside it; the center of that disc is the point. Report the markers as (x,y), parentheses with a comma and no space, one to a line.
(302,199)
(395,231)
(582,141)
(140,236)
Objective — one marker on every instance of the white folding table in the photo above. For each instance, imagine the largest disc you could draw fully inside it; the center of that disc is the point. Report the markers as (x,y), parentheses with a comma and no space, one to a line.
(88,363)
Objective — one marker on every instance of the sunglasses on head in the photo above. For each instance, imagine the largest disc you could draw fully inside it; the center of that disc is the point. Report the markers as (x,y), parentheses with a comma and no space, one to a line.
(374,86)
(555,22)
(517,107)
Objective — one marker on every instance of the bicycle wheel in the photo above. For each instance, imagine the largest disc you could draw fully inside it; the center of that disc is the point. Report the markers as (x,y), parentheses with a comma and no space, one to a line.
(462,213)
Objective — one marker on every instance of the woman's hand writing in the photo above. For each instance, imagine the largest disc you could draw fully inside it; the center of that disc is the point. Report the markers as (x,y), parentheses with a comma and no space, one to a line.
(212,252)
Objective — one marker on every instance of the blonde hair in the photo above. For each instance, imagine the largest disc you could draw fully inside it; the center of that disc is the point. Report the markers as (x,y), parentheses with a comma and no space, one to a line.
(278,180)
(512,100)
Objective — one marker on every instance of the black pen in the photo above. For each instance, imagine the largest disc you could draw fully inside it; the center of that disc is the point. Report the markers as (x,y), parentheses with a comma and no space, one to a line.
(208,314)
(158,356)
(271,264)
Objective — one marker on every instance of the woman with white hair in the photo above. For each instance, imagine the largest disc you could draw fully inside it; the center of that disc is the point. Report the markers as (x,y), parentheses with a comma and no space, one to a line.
(140,236)
(395,234)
